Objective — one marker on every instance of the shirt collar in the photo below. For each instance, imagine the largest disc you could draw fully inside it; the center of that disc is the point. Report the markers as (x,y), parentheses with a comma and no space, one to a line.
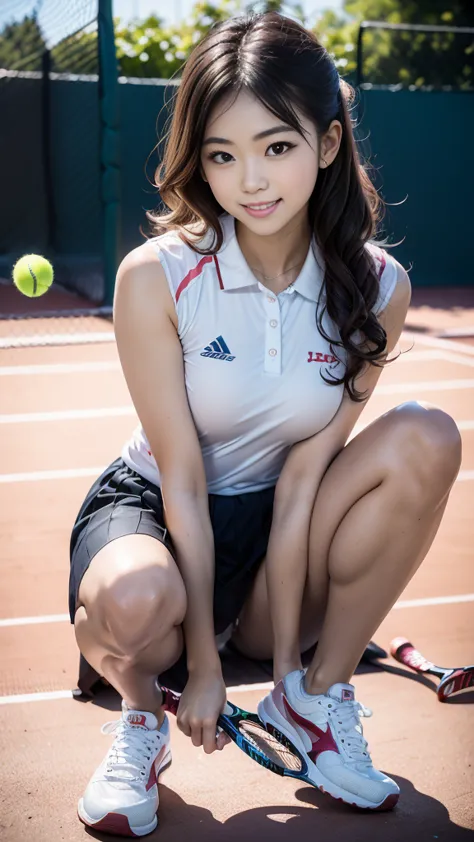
(236,273)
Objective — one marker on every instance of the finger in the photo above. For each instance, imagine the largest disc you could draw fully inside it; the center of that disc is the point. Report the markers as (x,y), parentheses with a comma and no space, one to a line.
(196,735)
(223,739)
(209,737)
(183,726)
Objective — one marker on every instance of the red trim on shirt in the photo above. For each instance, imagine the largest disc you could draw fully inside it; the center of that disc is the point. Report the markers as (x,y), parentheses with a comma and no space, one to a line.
(221,282)
(193,273)
(383,263)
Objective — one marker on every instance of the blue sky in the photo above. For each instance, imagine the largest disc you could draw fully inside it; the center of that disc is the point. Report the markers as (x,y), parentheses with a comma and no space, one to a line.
(178,9)
(171,11)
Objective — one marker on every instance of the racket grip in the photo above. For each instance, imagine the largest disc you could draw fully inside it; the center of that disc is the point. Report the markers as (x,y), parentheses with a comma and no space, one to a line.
(405,653)
(399,646)
(170,700)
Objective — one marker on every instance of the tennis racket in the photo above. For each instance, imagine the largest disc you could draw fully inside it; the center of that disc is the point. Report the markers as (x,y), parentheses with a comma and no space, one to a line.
(453,679)
(267,746)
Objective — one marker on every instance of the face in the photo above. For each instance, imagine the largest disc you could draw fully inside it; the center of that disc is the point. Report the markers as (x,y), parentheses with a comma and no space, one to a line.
(282,166)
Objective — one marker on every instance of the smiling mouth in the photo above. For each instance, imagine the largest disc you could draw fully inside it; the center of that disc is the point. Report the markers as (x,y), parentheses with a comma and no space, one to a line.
(263,205)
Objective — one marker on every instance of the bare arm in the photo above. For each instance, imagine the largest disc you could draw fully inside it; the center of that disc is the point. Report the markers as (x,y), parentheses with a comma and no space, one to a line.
(296,490)
(152,360)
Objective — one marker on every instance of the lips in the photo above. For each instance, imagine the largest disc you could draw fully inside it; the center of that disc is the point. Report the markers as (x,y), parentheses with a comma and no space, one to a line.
(262,206)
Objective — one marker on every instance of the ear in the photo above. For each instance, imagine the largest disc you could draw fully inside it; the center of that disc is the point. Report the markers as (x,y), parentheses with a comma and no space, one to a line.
(330,143)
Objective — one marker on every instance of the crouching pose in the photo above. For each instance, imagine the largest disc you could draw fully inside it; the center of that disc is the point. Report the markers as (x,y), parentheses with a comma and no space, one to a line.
(252,328)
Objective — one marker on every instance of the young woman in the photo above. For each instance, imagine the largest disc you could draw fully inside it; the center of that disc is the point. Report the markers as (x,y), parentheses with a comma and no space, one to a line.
(252,329)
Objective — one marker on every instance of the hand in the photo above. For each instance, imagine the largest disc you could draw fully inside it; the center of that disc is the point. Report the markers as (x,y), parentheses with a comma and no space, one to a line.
(202,701)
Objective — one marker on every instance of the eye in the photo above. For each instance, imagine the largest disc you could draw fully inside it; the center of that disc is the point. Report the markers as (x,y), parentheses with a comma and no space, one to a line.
(281,143)
(213,155)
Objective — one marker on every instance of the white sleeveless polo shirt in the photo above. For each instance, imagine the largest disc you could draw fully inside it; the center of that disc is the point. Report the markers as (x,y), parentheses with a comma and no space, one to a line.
(252,360)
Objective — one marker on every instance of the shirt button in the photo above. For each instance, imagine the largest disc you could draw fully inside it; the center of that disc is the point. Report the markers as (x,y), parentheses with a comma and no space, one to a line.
(273,323)
(273,352)
(269,298)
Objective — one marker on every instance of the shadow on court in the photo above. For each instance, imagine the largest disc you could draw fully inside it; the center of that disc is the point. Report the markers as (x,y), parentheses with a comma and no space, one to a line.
(417,818)
(236,669)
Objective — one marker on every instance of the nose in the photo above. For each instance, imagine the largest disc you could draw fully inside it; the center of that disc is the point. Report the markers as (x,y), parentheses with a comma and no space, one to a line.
(253,179)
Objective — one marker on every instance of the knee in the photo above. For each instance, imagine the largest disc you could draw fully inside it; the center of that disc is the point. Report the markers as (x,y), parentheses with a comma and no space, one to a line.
(140,605)
(428,441)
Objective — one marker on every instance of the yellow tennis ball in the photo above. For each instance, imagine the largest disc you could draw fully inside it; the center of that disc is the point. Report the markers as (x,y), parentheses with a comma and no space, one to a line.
(33,275)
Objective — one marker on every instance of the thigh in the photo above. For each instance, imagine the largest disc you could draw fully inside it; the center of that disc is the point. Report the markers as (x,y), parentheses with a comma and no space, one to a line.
(253,631)
(130,568)
(120,504)
(131,592)
(388,444)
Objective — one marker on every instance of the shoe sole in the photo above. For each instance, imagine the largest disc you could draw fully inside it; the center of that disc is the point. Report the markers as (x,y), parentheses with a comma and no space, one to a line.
(117,823)
(318,780)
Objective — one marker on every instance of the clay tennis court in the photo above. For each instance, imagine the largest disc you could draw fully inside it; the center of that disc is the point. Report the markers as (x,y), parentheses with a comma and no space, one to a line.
(64,415)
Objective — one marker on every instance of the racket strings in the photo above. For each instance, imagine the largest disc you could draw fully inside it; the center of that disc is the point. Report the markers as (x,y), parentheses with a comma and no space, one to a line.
(270,746)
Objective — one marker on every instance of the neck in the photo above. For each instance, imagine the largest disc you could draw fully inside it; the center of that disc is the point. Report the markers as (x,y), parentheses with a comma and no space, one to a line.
(276,259)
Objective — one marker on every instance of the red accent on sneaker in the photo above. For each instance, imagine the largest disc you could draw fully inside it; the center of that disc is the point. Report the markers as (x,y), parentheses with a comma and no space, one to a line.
(115,823)
(347,696)
(136,719)
(155,767)
(321,740)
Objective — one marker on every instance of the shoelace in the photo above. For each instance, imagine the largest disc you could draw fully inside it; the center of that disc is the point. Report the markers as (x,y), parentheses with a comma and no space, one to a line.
(348,720)
(130,748)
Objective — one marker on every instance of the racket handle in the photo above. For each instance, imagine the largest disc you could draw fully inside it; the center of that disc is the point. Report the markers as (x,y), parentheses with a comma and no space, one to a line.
(170,700)
(397,645)
(405,653)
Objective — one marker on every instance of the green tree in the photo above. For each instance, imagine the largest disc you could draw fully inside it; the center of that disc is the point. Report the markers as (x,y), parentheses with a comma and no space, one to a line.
(22,45)
(399,57)
(150,48)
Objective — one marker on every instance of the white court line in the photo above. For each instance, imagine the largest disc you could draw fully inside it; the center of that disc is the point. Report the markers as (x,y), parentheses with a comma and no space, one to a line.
(36,697)
(67,415)
(40,476)
(52,695)
(240,688)
(431,600)
(422,386)
(56,339)
(434,342)
(111,365)
(91,338)
(457,331)
(116,411)
(33,621)
(76,473)
(402,603)
(60,368)
(449,357)
(114,365)
(429,356)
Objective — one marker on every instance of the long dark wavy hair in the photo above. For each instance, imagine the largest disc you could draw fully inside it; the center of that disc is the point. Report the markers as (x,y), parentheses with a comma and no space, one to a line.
(284,66)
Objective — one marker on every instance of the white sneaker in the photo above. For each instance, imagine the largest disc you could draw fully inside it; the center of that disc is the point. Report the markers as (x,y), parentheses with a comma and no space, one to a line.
(327,730)
(122,795)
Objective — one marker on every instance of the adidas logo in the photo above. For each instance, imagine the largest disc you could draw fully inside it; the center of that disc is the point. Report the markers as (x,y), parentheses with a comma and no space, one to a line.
(218,350)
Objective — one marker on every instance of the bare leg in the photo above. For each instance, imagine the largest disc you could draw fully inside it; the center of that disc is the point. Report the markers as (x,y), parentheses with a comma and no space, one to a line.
(376,514)
(131,604)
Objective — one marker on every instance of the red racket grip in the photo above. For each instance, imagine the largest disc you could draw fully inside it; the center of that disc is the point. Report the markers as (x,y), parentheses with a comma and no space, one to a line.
(403,651)
(170,700)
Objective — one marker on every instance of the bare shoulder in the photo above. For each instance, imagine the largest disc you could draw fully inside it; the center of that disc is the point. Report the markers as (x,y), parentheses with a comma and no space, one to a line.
(141,284)
(402,293)
(393,317)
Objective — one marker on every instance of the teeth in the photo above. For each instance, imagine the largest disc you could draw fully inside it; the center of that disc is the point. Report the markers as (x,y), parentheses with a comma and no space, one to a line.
(261,207)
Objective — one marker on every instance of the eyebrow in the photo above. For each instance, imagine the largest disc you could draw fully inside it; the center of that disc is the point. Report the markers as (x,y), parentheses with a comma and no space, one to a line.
(274,130)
